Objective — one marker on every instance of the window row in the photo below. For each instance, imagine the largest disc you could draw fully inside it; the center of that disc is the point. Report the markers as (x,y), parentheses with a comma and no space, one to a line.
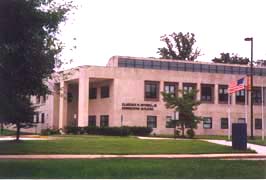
(38,117)
(193,67)
(40,99)
(152,92)
(207,123)
(104,121)
(105,92)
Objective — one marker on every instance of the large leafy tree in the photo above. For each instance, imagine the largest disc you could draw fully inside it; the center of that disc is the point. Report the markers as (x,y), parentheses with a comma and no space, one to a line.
(28,53)
(179,46)
(226,58)
(261,63)
(185,105)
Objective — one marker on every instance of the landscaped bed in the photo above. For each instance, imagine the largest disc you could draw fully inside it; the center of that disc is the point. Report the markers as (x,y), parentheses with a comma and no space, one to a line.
(133,168)
(86,144)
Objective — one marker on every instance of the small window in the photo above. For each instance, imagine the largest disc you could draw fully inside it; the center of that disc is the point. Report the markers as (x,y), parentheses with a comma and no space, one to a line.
(139,63)
(69,97)
(147,64)
(165,65)
(240,97)
(257,95)
(37,117)
(93,93)
(223,94)
(151,90)
(43,99)
(104,121)
(224,123)
(213,69)
(38,99)
(170,87)
(258,124)
(169,123)
(151,121)
(105,92)
(156,65)
(207,122)
(207,92)
(42,117)
(92,121)
(220,69)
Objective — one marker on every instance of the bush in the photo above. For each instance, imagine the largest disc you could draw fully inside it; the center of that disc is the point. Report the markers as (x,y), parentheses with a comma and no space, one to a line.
(109,131)
(49,131)
(190,133)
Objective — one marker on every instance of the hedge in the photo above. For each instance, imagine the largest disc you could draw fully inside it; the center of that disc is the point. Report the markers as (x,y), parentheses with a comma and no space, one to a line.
(110,131)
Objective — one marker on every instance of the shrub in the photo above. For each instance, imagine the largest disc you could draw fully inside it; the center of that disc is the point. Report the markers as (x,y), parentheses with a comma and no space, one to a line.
(49,131)
(139,131)
(190,133)
(72,130)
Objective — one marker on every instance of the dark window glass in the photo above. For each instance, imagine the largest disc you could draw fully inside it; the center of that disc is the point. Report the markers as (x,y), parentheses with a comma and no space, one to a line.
(37,117)
(165,65)
(189,67)
(147,64)
(38,99)
(220,69)
(170,88)
(152,121)
(93,93)
(257,71)
(223,94)
(228,70)
(205,68)
(224,123)
(258,124)
(122,63)
(104,121)
(235,70)
(151,90)
(69,97)
(197,67)
(257,95)
(105,92)
(139,64)
(242,70)
(42,117)
(173,66)
(156,65)
(207,122)
(92,121)
(180,66)
(207,92)
(169,123)
(240,97)
(264,72)
(213,68)
(130,63)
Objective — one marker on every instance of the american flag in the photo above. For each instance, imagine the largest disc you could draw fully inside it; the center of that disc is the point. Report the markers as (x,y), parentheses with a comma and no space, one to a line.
(238,85)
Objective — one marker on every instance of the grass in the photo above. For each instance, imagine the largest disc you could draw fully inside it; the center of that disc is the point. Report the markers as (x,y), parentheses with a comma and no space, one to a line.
(132,168)
(7,132)
(258,141)
(85,144)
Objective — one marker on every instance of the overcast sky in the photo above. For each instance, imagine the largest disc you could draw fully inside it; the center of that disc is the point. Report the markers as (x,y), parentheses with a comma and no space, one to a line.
(104,28)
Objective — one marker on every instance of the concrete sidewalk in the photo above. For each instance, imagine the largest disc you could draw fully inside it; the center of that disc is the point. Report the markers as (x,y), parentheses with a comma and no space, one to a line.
(159,156)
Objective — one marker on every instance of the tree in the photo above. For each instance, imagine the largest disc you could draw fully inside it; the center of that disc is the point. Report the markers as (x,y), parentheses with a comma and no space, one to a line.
(179,46)
(261,63)
(185,105)
(28,53)
(226,58)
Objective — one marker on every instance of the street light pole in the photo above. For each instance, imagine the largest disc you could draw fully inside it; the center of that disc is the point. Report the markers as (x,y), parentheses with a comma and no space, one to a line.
(251,87)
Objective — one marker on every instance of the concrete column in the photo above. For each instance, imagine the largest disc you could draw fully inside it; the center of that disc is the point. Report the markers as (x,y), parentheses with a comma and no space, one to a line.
(216,94)
(83,99)
(198,87)
(63,104)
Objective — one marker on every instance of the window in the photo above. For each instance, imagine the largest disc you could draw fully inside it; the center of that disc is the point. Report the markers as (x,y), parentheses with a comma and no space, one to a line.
(42,117)
(169,123)
(37,117)
(151,90)
(92,121)
(151,121)
(38,99)
(224,123)
(105,92)
(170,88)
(207,92)
(187,87)
(257,95)
(207,122)
(258,124)
(223,94)
(104,121)
(240,97)
(43,99)
(69,97)
(93,93)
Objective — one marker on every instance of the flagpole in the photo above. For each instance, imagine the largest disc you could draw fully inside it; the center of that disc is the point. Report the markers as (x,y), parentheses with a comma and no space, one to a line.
(246,105)
(229,118)
(262,112)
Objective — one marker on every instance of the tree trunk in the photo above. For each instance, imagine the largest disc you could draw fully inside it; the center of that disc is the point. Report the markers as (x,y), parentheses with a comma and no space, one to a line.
(18,131)
(183,130)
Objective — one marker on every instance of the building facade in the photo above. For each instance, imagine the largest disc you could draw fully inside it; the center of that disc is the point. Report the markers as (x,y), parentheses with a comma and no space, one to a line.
(127,92)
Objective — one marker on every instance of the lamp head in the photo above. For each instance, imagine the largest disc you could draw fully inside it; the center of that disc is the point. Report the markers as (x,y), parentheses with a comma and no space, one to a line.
(249,39)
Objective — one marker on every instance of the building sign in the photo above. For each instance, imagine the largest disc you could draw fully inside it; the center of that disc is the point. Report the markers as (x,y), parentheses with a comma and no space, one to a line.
(137,106)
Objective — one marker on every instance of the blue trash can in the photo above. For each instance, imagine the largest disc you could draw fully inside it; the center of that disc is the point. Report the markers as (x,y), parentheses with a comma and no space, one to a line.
(239,136)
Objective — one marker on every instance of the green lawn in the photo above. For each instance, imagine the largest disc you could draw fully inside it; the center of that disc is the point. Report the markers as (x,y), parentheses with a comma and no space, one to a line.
(133,168)
(7,132)
(258,141)
(85,144)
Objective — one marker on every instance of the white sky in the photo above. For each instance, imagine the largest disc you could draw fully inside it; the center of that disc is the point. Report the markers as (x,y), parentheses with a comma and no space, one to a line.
(104,28)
